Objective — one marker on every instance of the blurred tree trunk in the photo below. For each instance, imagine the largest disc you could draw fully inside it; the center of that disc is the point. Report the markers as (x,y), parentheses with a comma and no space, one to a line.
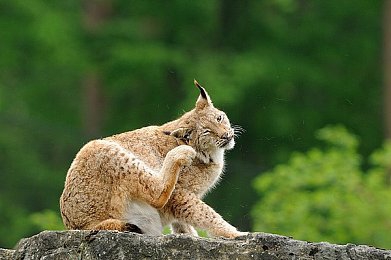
(92,105)
(387,71)
(95,14)
(233,14)
(227,19)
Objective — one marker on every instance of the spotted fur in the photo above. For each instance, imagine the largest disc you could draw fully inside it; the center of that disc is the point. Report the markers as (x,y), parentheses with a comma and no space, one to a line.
(150,177)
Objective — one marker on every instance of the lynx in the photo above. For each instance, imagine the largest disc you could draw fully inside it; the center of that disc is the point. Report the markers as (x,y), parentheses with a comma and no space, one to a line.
(145,179)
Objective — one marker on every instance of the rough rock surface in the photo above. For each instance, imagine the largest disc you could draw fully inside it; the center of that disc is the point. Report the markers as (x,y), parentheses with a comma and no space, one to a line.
(6,253)
(116,245)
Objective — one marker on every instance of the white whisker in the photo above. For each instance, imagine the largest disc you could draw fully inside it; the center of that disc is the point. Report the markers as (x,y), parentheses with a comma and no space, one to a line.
(238,130)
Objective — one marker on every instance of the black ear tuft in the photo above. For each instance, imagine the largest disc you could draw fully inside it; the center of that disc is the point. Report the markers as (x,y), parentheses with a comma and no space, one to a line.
(202,90)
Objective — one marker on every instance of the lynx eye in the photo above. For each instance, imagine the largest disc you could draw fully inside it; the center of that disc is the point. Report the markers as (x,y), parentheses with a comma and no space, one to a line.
(220,118)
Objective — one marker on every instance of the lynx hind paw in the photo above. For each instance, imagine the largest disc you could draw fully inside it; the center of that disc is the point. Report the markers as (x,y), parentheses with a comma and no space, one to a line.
(132,228)
(184,154)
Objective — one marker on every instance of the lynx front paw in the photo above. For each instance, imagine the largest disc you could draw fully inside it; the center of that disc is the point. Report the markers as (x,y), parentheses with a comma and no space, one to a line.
(183,154)
(240,234)
(229,234)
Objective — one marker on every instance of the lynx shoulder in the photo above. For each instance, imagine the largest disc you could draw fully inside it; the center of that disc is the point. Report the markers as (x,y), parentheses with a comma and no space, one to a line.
(145,179)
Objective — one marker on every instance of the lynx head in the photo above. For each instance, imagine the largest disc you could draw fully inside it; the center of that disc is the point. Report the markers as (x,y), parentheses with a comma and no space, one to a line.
(206,128)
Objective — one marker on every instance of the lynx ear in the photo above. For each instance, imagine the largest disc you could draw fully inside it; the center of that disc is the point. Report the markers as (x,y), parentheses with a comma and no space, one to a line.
(204,99)
(182,134)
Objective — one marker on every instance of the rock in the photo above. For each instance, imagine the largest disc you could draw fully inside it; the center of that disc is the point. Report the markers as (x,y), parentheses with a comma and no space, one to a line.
(117,245)
(6,253)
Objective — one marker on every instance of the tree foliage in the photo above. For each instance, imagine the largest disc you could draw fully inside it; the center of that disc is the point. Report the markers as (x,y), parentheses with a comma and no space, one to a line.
(326,195)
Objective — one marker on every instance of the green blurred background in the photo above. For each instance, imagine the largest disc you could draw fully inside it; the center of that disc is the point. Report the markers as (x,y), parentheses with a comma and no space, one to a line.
(72,71)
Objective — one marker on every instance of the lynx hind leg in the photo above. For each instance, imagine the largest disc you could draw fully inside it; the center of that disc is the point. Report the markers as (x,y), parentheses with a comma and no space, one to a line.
(174,161)
(139,180)
(116,224)
(183,228)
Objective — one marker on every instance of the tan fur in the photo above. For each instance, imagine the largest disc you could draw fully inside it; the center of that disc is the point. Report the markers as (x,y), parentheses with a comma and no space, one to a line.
(153,176)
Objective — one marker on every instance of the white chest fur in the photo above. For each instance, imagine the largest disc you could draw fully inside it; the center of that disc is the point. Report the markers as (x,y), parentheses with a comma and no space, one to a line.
(203,176)
(215,156)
